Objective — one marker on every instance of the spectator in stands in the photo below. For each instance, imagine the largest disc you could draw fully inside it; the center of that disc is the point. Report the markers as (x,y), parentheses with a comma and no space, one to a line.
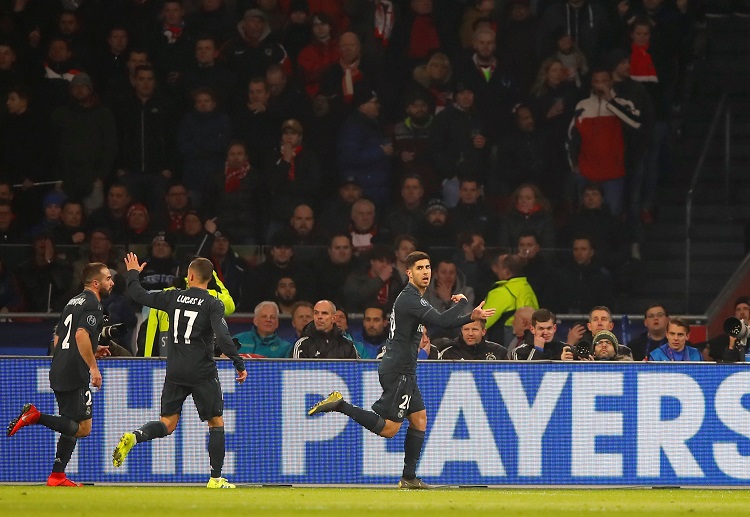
(495,87)
(411,141)
(302,314)
(403,245)
(574,62)
(138,230)
(521,329)
(10,233)
(586,282)
(44,278)
(594,219)
(254,124)
(542,272)
(655,320)
(169,213)
(364,230)
(121,86)
(99,248)
(364,151)
(322,339)
(529,210)
(600,318)
(469,259)
(59,70)
(296,30)
(417,33)
(213,18)
(85,143)
(544,346)
(407,216)
(435,77)
(286,295)
(228,265)
(596,146)
(11,295)
(333,270)
(262,340)
(586,22)
(51,214)
(476,10)
(70,231)
(457,143)
(375,283)
(604,347)
(294,174)
(302,230)
(287,101)
(146,124)
(508,294)
(171,43)
(517,42)
(202,140)
(161,267)
(10,76)
(445,284)
(374,334)
(338,214)
(319,54)
(522,157)
(113,215)
(254,48)
(239,195)
(437,230)
(471,345)
(208,72)
(724,348)
(471,213)
(676,349)
(111,64)
(192,235)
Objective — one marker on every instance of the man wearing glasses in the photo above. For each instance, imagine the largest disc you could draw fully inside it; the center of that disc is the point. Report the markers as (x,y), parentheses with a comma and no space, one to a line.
(656,321)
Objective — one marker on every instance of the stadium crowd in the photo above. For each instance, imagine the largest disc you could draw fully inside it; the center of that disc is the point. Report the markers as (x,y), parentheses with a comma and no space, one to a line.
(337,136)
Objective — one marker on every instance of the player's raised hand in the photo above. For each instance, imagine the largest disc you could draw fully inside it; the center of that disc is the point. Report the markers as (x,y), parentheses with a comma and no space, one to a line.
(241,376)
(481,314)
(458,297)
(131,263)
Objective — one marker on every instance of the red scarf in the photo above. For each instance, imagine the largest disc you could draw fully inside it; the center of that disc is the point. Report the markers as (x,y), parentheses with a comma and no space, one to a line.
(233,176)
(352,74)
(292,172)
(424,37)
(383,292)
(172,33)
(384,21)
(534,209)
(642,67)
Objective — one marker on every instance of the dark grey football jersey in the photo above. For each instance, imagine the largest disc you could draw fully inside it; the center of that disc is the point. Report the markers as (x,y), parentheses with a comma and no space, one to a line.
(410,312)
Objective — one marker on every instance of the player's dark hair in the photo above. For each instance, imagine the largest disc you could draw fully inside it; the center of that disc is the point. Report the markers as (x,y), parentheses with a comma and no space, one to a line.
(414,257)
(202,268)
(542,315)
(92,271)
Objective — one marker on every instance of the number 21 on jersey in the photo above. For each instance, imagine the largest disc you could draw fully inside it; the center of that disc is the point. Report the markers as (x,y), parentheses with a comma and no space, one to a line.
(190,316)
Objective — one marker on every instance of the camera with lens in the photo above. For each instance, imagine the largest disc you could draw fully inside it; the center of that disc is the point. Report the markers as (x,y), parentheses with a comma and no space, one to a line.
(112,332)
(737,329)
(582,350)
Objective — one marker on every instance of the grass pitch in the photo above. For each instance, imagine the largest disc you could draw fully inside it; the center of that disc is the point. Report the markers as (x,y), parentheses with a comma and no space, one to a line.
(350,502)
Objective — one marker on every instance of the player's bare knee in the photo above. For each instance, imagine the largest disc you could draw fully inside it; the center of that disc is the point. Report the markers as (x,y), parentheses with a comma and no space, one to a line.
(391,429)
(170,422)
(217,421)
(84,429)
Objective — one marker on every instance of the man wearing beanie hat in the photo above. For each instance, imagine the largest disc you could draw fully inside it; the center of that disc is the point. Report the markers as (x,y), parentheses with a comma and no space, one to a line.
(605,347)
(436,229)
(161,267)
(138,225)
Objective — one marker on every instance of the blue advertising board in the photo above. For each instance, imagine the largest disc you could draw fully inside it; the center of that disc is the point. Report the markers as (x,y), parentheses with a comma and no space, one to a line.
(491,423)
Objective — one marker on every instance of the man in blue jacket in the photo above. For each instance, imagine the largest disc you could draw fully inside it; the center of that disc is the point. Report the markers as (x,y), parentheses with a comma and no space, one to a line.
(676,349)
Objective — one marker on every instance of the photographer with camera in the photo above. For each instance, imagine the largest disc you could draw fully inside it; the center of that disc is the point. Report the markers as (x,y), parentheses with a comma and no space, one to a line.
(676,349)
(545,347)
(730,347)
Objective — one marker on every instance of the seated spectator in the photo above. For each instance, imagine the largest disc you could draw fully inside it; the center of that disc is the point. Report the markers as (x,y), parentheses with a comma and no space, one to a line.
(10,233)
(469,259)
(544,345)
(322,339)
(607,348)
(168,215)
(471,213)
(113,215)
(586,282)
(138,230)
(70,231)
(471,345)
(228,265)
(99,248)
(435,77)
(192,237)
(529,210)
(302,314)
(262,340)
(333,270)
(407,216)
(542,272)
(51,215)
(202,138)
(319,54)
(161,267)
(239,195)
(436,231)
(376,283)
(403,245)
(600,318)
(446,283)
(364,229)
(45,278)
(293,175)
(656,319)
(676,349)
(286,294)
(337,215)
(341,319)
(374,334)
(509,293)
(302,230)
(724,348)
(521,329)
(411,142)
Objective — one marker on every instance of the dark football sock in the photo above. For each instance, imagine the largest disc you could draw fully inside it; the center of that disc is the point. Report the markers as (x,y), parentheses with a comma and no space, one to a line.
(150,431)
(216,450)
(367,419)
(65,447)
(61,424)
(412,452)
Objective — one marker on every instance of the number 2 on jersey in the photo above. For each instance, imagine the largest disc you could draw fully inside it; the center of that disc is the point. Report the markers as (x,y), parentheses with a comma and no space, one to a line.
(66,342)
(190,315)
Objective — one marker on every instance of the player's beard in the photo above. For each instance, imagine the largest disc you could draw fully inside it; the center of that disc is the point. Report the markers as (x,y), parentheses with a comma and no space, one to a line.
(104,292)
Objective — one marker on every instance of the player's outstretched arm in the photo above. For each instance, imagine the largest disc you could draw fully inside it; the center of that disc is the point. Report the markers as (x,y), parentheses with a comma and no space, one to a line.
(137,292)
(131,263)
(481,314)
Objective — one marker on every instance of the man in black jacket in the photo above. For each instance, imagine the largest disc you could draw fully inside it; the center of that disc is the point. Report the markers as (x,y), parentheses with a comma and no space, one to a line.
(471,345)
(545,346)
(322,339)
